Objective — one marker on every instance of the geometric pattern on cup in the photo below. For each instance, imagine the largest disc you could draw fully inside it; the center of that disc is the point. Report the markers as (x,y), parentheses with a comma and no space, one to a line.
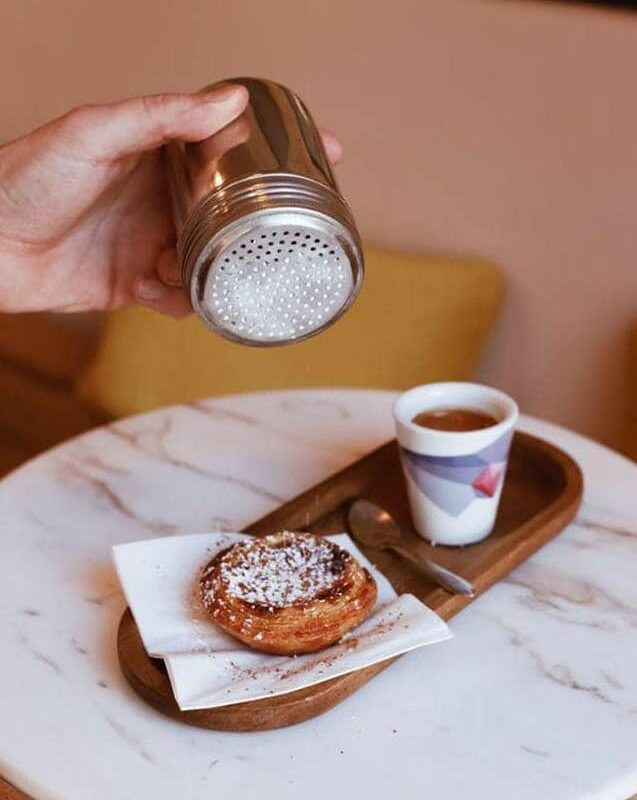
(454,482)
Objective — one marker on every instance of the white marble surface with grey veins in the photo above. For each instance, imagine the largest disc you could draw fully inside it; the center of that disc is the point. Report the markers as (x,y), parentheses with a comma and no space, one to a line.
(535,697)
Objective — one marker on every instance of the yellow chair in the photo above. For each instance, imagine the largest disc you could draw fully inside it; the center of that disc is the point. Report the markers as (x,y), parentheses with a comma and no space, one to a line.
(417,319)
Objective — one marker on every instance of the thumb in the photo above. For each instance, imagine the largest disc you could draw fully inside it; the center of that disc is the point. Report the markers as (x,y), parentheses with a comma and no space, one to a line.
(104,133)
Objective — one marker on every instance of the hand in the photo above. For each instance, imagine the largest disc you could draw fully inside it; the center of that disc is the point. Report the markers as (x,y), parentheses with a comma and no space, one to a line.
(85,218)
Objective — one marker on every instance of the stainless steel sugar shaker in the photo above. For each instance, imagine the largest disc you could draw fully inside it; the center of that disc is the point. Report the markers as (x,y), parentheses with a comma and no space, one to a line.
(268,247)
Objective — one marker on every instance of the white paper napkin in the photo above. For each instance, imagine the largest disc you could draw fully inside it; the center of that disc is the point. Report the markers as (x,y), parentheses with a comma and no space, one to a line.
(208,668)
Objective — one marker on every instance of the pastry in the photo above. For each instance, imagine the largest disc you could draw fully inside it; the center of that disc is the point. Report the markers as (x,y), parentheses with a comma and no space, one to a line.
(287,593)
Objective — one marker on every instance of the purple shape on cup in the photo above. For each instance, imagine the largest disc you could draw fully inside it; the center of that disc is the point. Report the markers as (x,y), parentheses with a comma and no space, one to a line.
(454,482)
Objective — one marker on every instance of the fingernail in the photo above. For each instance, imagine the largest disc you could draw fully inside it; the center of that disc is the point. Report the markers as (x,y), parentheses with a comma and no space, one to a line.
(226,93)
(148,290)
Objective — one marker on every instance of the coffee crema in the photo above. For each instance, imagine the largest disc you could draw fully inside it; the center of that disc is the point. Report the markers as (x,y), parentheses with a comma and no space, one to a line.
(454,419)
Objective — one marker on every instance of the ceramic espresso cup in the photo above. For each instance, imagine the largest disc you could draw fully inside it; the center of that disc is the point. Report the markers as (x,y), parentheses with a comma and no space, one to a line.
(454,478)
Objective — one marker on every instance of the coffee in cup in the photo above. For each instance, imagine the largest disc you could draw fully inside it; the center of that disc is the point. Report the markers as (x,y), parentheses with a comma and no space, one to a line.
(454,441)
(454,419)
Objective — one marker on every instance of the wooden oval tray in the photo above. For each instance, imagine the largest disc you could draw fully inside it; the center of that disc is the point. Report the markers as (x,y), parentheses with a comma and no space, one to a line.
(542,492)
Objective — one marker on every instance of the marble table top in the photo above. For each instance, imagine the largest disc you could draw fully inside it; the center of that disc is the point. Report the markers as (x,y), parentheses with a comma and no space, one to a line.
(535,697)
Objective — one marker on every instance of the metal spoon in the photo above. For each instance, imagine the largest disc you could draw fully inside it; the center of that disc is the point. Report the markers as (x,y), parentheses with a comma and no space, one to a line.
(374,527)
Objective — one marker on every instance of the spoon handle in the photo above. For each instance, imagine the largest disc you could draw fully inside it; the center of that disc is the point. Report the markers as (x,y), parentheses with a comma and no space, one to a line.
(442,576)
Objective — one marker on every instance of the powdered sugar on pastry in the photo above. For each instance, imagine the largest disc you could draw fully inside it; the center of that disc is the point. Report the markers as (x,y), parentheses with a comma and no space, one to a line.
(288,570)
(287,593)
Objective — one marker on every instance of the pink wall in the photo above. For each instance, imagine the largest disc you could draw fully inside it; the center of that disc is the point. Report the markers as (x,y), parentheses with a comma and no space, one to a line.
(501,129)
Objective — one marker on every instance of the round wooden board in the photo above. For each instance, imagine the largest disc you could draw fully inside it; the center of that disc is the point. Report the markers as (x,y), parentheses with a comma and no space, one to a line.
(149,679)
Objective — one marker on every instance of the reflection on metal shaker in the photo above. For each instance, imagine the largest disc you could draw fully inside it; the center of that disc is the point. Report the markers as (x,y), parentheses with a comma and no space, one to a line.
(268,248)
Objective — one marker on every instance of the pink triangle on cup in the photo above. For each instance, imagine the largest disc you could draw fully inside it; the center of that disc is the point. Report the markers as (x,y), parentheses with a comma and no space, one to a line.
(488,481)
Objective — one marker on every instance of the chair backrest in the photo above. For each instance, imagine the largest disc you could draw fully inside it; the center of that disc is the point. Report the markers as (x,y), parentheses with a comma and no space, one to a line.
(417,319)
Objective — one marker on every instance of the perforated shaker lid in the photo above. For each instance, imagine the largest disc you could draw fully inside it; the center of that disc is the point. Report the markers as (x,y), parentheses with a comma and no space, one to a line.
(277,277)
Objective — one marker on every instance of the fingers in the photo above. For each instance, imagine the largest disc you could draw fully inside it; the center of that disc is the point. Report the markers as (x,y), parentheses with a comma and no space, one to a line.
(168,268)
(163,291)
(152,293)
(332,145)
(110,132)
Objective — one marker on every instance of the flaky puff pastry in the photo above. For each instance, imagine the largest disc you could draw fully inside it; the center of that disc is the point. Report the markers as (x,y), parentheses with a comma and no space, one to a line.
(287,593)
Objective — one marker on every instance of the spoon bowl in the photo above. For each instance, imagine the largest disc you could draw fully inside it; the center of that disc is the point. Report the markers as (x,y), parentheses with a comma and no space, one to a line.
(372,526)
